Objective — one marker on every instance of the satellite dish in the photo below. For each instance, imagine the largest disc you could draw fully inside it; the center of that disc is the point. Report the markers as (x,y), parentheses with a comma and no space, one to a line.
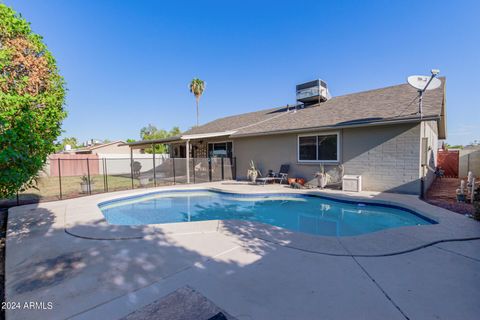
(420,82)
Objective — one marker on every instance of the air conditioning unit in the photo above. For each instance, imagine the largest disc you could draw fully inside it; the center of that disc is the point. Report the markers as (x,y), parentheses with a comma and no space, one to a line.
(352,183)
(312,92)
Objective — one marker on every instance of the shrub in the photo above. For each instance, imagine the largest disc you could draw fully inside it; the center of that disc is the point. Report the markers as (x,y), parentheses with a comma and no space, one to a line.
(476,203)
(32,95)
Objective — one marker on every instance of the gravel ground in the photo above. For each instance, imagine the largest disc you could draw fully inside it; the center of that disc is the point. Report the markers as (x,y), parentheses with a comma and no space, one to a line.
(442,194)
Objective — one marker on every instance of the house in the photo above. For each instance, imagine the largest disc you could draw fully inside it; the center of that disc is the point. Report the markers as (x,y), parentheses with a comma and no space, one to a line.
(109,148)
(378,134)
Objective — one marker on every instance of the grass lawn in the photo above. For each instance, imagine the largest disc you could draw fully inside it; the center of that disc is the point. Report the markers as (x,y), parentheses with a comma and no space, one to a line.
(49,187)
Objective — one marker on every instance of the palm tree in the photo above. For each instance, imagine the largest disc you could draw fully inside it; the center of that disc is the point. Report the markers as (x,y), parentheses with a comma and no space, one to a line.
(197,87)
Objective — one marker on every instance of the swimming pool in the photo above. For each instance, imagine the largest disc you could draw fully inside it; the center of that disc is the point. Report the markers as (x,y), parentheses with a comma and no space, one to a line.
(297,212)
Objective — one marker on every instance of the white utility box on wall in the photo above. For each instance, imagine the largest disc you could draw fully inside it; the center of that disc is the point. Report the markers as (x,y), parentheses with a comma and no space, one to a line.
(352,183)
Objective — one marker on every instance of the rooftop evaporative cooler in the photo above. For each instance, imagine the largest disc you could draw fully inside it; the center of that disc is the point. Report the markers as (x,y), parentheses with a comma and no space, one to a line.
(312,92)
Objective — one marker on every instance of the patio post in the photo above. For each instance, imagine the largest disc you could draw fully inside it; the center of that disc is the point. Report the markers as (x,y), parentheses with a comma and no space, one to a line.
(187,152)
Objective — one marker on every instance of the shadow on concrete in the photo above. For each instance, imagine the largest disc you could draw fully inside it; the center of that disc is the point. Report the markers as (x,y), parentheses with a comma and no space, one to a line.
(46,264)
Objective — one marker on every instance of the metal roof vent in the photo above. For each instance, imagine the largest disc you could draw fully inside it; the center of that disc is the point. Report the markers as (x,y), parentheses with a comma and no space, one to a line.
(312,92)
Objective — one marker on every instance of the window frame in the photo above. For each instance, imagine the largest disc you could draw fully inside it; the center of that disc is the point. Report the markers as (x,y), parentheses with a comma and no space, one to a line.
(337,133)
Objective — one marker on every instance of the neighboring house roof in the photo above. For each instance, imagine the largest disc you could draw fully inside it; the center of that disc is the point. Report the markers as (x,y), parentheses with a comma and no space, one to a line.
(386,105)
(105,144)
(97,146)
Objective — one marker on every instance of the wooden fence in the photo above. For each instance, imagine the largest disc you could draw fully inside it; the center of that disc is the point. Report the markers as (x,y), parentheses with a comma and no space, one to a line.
(448,161)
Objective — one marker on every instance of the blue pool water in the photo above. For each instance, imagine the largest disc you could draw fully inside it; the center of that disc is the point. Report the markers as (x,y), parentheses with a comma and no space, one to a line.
(302,213)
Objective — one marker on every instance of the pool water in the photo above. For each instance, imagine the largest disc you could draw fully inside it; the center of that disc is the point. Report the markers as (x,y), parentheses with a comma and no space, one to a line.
(302,213)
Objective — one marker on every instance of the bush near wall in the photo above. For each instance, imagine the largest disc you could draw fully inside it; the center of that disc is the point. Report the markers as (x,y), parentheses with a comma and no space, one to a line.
(32,95)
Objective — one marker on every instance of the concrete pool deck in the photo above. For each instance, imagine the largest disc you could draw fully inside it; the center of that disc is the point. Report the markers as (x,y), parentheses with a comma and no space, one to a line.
(65,252)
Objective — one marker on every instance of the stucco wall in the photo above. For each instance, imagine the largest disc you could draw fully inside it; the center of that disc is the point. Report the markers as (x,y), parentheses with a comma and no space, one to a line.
(270,152)
(469,161)
(387,157)
(120,163)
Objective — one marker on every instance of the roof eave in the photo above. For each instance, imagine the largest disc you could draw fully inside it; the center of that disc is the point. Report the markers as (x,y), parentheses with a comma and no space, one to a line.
(442,123)
(179,138)
(207,135)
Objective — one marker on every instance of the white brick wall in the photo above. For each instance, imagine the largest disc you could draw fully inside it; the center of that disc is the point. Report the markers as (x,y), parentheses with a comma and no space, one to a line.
(387,157)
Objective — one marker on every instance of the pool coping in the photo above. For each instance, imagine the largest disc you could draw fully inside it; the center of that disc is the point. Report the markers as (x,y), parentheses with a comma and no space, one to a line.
(85,220)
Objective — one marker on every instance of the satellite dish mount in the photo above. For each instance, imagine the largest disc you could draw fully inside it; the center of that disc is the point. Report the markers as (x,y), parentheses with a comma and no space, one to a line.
(422,84)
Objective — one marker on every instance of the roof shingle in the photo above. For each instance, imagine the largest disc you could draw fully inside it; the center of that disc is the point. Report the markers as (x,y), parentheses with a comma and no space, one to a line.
(385,104)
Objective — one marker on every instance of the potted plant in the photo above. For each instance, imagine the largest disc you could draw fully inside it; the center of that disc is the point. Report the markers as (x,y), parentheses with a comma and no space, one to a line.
(300,181)
(461,196)
(291,180)
(322,177)
(252,172)
(85,181)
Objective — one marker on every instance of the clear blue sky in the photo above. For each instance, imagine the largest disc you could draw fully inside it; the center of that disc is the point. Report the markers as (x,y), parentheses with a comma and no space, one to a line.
(128,63)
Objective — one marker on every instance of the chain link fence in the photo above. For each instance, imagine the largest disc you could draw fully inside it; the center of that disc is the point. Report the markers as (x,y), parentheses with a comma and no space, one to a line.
(71,178)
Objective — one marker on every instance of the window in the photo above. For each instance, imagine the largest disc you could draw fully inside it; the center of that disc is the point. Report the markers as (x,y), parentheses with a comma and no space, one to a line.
(318,148)
(179,151)
(308,148)
(220,149)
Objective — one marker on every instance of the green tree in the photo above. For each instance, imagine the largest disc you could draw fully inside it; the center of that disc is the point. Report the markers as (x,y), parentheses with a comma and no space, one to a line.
(456,146)
(175,131)
(72,141)
(32,95)
(148,131)
(197,87)
(151,132)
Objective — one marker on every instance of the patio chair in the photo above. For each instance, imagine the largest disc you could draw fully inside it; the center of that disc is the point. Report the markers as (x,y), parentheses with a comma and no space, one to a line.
(282,174)
(136,167)
(439,172)
(264,179)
